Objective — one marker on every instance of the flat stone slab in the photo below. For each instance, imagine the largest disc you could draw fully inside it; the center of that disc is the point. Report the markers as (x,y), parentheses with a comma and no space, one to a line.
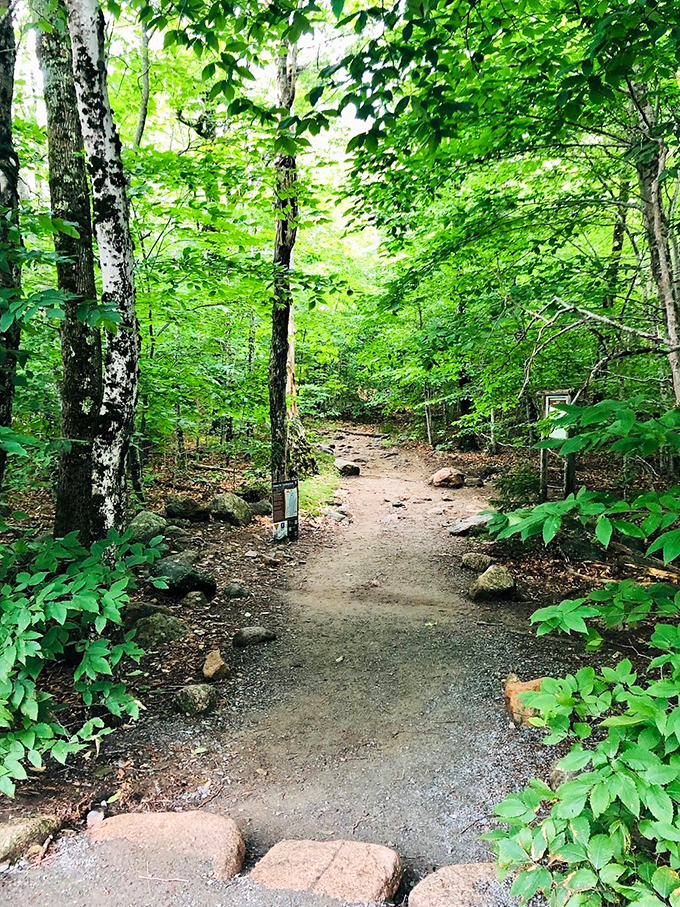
(205,836)
(466,526)
(349,870)
(454,886)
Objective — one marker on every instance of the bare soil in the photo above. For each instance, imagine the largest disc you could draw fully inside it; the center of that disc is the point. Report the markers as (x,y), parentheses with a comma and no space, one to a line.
(376,715)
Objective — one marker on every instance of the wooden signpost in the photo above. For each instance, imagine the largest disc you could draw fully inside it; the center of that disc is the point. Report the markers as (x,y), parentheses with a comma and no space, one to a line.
(551,402)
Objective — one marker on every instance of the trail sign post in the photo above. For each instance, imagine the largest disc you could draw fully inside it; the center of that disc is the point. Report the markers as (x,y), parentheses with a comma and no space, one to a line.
(285,504)
(552,402)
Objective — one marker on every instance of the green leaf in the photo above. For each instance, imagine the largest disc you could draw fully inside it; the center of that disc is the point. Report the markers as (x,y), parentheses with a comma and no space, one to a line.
(603,531)
(665,880)
(600,851)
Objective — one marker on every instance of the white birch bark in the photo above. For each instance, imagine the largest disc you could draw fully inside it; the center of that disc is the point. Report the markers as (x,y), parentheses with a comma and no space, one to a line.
(112,229)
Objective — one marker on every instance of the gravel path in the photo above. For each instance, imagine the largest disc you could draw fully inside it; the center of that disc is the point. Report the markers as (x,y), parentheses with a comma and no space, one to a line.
(379,716)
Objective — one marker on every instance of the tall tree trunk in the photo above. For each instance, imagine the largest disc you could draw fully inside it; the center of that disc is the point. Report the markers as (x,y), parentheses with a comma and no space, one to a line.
(650,164)
(286,208)
(619,232)
(146,89)
(81,391)
(290,451)
(112,228)
(10,276)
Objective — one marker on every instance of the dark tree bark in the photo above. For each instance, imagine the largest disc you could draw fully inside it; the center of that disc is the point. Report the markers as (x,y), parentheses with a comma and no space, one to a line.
(618,235)
(112,229)
(10,241)
(81,354)
(291,452)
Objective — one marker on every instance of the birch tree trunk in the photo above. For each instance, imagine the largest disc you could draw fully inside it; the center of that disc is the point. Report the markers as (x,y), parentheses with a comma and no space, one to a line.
(112,229)
(10,276)
(81,389)
(291,452)
(650,164)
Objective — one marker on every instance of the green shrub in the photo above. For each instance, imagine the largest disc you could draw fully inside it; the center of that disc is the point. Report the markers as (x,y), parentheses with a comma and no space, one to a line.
(517,487)
(610,833)
(58,598)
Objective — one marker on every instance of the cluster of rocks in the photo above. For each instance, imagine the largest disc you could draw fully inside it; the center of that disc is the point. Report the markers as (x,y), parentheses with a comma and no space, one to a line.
(197,698)
(452,478)
(352,871)
(494,580)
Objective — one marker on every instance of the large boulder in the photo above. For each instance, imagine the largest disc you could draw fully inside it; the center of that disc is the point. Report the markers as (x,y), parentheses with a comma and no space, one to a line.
(348,870)
(447,478)
(179,507)
(514,688)
(193,833)
(195,699)
(252,636)
(17,835)
(146,526)
(347,468)
(230,508)
(159,628)
(495,582)
(462,885)
(183,578)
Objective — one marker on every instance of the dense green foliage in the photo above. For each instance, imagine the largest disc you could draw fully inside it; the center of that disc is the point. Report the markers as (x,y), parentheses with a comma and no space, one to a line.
(488,210)
(607,834)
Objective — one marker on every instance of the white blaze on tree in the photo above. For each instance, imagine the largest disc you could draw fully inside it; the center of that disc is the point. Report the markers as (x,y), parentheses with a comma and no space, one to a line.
(112,229)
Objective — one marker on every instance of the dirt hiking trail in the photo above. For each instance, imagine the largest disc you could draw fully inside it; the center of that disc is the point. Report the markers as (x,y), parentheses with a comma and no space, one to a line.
(377,715)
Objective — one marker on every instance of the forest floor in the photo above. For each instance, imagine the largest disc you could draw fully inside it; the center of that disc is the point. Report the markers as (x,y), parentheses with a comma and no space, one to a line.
(377,715)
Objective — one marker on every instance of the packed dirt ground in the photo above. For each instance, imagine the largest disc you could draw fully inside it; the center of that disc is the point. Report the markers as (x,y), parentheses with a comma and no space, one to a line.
(376,715)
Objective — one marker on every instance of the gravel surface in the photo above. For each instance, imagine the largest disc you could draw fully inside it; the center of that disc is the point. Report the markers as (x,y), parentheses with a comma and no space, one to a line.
(376,715)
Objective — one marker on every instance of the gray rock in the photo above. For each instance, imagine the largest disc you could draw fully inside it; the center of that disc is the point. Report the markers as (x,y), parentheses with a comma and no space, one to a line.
(261,508)
(194,600)
(182,578)
(334,515)
(159,628)
(17,835)
(251,636)
(185,508)
(146,526)
(230,508)
(136,611)
(475,560)
(495,582)
(235,590)
(347,468)
(195,699)
(177,536)
(474,482)
(189,556)
(467,526)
